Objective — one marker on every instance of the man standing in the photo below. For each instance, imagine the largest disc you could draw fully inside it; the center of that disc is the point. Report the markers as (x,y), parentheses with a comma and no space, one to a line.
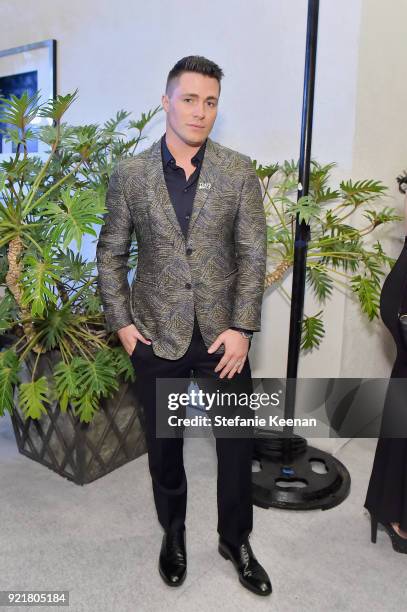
(196,209)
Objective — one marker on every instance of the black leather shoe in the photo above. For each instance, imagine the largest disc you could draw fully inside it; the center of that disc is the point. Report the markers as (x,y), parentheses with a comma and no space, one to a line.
(251,574)
(173,558)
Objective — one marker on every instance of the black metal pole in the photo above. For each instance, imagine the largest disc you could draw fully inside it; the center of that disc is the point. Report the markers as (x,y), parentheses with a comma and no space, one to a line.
(302,230)
(285,458)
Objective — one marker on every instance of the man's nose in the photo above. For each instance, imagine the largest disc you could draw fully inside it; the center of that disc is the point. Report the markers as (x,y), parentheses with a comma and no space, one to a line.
(199,111)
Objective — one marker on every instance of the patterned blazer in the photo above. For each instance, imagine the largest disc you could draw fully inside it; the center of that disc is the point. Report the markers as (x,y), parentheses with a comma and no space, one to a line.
(219,267)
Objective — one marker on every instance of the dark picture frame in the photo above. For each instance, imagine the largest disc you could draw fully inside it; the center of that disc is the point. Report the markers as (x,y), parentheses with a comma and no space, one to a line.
(31,68)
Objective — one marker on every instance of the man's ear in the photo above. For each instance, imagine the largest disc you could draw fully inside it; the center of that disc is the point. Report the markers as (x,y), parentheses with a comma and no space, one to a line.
(165,102)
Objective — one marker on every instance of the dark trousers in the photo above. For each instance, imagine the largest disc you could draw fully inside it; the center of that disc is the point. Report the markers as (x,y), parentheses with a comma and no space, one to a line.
(165,454)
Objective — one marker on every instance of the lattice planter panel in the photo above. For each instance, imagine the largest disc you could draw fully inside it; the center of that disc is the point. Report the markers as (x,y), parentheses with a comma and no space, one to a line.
(81,452)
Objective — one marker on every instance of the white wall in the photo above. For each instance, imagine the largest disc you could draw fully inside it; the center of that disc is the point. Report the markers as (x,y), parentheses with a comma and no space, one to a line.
(119,53)
(379,152)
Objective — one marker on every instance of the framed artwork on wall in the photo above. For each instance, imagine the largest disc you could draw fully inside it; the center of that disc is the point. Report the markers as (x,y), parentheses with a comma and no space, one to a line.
(30,68)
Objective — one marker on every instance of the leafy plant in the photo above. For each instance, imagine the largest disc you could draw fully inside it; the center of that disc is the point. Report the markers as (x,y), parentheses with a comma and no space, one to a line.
(51,299)
(338,252)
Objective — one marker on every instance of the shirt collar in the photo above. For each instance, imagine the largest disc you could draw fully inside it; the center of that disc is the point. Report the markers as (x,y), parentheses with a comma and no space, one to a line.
(167,155)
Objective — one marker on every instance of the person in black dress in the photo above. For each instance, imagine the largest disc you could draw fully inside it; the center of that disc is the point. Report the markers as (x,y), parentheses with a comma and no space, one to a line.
(386,498)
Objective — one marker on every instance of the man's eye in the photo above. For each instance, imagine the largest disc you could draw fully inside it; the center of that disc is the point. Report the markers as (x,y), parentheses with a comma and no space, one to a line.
(187,99)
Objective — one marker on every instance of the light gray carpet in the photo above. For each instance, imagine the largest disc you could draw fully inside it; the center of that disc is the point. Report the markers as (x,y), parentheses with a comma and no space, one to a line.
(101,542)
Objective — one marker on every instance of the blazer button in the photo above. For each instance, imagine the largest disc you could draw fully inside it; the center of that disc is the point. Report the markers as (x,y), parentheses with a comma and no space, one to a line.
(189,251)
(188,286)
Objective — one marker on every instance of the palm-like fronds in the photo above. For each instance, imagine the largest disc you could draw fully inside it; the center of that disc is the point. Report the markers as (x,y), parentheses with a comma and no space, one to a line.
(338,252)
(312,331)
(73,216)
(320,281)
(357,193)
(56,108)
(9,367)
(39,277)
(83,382)
(144,119)
(111,125)
(366,290)
(33,396)
(51,300)
(19,112)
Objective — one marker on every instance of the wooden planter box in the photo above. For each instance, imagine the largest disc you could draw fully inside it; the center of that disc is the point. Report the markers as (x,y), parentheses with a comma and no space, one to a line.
(81,452)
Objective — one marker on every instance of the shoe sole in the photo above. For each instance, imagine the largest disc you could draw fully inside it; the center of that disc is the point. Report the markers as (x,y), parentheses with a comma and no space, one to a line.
(226,556)
(169,582)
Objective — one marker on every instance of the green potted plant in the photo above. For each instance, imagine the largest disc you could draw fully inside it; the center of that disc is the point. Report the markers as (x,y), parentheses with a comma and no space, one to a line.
(66,381)
(339,253)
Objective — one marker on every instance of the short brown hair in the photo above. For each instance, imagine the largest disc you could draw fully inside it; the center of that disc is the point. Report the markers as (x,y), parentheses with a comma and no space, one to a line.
(194,63)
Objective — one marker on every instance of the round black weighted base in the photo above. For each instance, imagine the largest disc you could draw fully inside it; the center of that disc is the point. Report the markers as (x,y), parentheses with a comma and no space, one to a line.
(312,479)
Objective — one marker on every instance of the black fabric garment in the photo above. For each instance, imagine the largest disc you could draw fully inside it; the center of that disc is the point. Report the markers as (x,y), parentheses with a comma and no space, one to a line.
(386,496)
(165,455)
(182,191)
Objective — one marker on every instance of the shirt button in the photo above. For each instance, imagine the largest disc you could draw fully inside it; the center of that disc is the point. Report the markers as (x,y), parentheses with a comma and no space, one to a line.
(188,286)
(187,217)
(189,251)
(185,190)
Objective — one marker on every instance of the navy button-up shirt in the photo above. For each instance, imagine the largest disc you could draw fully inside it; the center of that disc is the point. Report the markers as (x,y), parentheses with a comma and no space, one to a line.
(181,191)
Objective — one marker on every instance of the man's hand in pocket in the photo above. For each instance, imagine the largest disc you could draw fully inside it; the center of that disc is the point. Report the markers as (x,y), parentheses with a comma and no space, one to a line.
(129,336)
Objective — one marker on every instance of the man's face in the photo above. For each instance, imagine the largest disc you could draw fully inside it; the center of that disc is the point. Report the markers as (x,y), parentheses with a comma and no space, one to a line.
(191,106)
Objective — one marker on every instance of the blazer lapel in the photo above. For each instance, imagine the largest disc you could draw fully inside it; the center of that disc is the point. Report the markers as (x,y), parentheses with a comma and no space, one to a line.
(210,170)
(157,187)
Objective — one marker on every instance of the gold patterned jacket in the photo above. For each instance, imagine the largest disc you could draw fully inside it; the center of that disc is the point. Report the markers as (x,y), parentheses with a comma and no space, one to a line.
(218,269)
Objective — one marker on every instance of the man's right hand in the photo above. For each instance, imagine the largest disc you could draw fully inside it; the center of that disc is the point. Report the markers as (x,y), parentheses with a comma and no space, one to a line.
(129,336)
